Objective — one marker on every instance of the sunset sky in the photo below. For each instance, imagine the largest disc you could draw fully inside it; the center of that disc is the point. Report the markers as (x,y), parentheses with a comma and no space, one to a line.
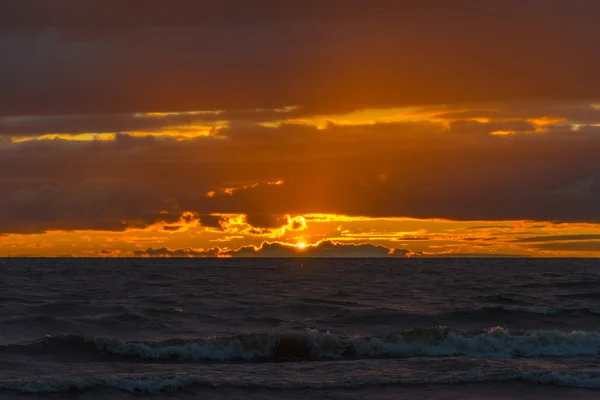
(239,128)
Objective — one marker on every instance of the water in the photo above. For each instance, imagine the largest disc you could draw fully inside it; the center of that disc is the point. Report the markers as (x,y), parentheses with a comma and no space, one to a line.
(299,328)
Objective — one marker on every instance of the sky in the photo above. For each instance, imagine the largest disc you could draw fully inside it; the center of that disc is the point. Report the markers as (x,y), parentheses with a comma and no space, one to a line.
(326,128)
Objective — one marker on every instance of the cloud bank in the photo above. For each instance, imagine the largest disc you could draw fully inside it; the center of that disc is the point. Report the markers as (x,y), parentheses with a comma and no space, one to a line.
(104,56)
(282,250)
(282,113)
(414,169)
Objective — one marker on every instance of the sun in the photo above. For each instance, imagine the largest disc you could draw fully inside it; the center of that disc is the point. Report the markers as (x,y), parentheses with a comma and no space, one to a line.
(301,245)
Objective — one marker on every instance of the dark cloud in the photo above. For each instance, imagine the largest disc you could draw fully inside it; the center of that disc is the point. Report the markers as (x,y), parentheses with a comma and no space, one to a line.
(172,228)
(52,205)
(557,238)
(276,249)
(77,124)
(267,221)
(431,172)
(477,128)
(78,19)
(258,231)
(166,252)
(213,221)
(516,118)
(103,56)
(574,112)
(322,249)
(110,123)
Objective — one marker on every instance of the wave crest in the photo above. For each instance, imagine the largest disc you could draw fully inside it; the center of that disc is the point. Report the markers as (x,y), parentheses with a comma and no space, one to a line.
(315,345)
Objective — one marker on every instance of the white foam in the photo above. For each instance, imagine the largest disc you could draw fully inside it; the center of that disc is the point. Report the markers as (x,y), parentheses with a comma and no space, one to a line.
(197,351)
(497,342)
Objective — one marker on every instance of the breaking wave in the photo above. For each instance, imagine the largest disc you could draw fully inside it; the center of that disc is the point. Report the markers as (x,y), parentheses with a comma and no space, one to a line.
(315,345)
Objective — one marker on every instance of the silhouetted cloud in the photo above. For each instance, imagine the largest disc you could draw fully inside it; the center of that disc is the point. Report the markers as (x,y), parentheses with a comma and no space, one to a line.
(276,249)
(95,66)
(268,221)
(213,221)
(430,172)
(147,123)
(166,252)
(464,120)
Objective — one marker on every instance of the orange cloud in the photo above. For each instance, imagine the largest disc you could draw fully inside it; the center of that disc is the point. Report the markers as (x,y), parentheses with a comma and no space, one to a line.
(229,191)
(232,232)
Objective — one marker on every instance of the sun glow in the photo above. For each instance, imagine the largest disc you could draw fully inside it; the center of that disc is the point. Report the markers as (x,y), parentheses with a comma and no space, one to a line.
(301,245)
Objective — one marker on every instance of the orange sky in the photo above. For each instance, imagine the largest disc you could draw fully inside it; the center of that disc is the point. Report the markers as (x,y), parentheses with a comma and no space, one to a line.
(172,230)
(411,238)
(406,129)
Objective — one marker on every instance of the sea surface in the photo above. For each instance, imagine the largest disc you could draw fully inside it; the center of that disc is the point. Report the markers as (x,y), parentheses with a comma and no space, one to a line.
(299,328)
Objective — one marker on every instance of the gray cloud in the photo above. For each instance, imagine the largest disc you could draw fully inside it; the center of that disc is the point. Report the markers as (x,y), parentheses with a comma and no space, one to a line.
(430,172)
(323,249)
(281,250)
(213,221)
(98,57)
(573,111)
(504,117)
(476,128)
(267,221)
(110,123)
(179,253)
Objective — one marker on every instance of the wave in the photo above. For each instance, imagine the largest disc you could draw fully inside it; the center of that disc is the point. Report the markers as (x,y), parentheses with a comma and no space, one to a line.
(314,345)
(589,379)
(495,311)
(498,310)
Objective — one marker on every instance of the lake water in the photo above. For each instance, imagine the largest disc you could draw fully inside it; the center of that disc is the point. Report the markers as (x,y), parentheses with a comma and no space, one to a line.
(299,328)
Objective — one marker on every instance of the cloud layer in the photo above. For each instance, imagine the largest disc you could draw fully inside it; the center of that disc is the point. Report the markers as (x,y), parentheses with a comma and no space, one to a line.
(104,56)
(236,119)
(281,250)
(417,169)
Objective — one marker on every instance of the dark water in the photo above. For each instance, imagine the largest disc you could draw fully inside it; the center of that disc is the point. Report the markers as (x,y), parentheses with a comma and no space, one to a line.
(300,328)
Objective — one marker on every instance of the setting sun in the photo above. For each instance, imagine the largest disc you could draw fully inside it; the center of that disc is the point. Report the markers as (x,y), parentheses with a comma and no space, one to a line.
(300,199)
